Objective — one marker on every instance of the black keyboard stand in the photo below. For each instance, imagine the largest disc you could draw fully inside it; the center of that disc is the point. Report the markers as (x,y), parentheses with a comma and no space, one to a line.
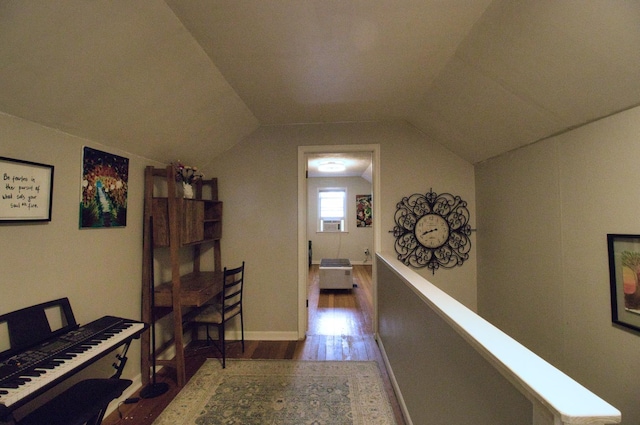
(121,361)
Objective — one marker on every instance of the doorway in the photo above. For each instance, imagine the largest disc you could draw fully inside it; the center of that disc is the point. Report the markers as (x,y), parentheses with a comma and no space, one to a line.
(304,152)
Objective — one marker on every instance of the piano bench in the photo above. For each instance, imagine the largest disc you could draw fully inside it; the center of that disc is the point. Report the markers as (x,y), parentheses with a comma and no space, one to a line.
(83,402)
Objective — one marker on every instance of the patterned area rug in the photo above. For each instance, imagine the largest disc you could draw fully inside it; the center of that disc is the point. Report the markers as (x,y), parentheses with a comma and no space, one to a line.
(282,392)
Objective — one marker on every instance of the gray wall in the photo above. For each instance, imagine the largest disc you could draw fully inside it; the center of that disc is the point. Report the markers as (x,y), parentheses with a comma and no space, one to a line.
(543,215)
(258,184)
(442,378)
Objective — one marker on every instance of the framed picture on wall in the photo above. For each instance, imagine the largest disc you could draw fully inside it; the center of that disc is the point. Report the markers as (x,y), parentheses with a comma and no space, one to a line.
(26,190)
(624,277)
(364,216)
(105,183)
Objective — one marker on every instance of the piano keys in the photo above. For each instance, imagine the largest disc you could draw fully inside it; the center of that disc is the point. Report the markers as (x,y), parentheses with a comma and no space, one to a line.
(33,364)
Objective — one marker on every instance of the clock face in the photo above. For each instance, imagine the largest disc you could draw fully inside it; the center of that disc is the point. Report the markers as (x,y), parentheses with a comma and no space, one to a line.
(432,231)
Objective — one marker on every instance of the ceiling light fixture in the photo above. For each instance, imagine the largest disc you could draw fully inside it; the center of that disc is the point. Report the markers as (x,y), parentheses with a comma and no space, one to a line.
(332,166)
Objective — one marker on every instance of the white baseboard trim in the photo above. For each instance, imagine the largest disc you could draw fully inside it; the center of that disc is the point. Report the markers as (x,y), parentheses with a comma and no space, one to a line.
(360,263)
(235,335)
(394,383)
(353,262)
(269,336)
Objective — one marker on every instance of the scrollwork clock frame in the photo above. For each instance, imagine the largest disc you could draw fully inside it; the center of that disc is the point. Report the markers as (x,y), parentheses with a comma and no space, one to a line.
(421,237)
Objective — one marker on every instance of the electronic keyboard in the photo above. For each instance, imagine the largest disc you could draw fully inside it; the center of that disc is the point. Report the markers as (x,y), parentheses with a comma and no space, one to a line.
(28,372)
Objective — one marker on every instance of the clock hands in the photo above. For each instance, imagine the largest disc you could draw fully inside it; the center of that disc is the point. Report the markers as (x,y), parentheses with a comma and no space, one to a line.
(432,230)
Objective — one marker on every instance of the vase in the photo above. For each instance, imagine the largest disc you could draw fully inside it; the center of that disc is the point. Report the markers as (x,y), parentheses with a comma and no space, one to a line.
(187,190)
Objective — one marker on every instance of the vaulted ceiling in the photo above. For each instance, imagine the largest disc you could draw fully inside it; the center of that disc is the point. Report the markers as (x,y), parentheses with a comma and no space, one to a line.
(188,79)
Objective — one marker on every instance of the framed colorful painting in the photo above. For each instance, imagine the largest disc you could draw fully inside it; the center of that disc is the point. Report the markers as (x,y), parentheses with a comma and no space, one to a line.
(364,217)
(105,178)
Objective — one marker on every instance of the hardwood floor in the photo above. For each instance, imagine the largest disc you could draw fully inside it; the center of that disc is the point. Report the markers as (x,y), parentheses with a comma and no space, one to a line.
(340,328)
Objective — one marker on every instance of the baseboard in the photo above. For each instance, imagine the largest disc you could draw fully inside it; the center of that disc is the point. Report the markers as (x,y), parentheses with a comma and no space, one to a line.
(353,262)
(394,383)
(268,336)
(129,392)
(236,335)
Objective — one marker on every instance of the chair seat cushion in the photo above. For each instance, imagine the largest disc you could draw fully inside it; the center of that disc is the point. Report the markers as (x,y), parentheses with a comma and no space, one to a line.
(212,314)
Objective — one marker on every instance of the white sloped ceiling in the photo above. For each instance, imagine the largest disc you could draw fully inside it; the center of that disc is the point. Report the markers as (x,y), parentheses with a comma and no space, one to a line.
(125,73)
(188,79)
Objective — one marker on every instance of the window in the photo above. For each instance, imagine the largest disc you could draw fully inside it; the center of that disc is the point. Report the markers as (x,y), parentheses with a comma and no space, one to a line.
(332,209)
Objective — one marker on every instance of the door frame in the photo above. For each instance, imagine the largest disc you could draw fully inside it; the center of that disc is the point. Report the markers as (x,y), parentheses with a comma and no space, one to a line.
(303,247)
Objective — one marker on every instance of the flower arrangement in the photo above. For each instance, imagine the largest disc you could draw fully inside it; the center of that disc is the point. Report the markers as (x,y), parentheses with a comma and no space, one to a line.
(185,173)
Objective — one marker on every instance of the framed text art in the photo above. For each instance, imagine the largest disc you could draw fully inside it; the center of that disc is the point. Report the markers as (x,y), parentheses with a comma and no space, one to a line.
(26,190)
(624,274)
(105,182)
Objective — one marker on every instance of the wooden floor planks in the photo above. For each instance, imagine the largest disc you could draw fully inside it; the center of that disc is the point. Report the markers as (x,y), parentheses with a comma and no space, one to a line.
(340,328)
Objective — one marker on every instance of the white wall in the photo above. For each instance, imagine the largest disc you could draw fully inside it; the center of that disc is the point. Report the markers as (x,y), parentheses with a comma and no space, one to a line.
(99,270)
(258,185)
(348,244)
(543,215)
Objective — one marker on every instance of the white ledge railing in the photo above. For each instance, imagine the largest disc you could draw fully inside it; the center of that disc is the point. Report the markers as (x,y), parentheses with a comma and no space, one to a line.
(555,397)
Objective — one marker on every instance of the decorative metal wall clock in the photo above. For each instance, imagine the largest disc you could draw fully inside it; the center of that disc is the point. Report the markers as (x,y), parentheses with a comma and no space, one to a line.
(432,231)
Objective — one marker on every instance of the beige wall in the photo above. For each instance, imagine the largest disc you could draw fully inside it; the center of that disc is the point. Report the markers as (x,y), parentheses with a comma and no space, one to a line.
(543,215)
(258,184)
(99,270)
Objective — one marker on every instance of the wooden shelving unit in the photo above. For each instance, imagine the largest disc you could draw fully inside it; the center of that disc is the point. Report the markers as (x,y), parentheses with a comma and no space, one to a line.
(178,224)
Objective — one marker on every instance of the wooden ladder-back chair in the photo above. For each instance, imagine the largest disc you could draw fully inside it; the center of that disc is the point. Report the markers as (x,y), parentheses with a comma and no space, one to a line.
(227,306)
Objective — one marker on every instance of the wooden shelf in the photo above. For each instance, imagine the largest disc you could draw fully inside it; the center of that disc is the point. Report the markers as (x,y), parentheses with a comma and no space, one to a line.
(196,289)
(178,224)
(201,221)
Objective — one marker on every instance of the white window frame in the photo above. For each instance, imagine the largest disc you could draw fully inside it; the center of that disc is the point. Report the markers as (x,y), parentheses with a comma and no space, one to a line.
(326,223)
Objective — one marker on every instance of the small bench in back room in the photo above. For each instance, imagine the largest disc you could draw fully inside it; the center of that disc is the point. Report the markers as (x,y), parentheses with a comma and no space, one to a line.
(336,273)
